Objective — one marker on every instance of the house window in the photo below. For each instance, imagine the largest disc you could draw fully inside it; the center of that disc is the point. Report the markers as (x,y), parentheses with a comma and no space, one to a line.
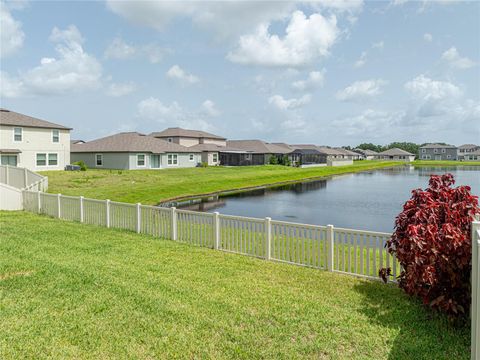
(435,151)
(52,159)
(424,151)
(41,159)
(9,160)
(17,134)
(424,157)
(170,140)
(215,157)
(444,151)
(98,159)
(140,159)
(449,156)
(248,156)
(172,159)
(55,136)
(190,157)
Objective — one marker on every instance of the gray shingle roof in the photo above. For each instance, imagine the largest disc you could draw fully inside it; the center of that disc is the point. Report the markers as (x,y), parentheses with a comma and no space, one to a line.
(395,151)
(258,146)
(437,146)
(176,131)
(130,142)
(213,147)
(366,152)
(12,118)
(469,146)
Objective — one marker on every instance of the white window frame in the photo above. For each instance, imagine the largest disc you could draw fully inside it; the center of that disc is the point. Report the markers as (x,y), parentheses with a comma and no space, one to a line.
(36,159)
(215,157)
(435,151)
(191,157)
(449,156)
(172,159)
(170,140)
(144,160)
(424,157)
(21,134)
(57,136)
(444,151)
(8,156)
(48,159)
(424,151)
(101,160)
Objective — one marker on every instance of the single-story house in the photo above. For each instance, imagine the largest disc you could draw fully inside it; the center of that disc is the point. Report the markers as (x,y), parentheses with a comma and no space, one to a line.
(366,154)
(307,157)
(134,151)
(33,143)
(251,152)
(437,152)
(395,154)
(464,150)
(348,154)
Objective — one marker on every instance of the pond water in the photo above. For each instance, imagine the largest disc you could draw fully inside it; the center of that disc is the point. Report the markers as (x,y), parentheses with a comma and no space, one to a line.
(366,201)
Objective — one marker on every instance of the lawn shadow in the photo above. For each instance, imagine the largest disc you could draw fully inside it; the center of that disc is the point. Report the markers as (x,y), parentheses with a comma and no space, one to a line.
(422,333)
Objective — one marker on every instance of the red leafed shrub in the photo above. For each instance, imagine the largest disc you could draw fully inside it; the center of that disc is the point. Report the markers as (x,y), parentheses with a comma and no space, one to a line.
(432,242)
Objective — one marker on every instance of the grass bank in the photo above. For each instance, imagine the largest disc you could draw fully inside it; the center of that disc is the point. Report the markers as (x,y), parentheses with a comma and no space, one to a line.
(153,186)
(69,290)
(445,163)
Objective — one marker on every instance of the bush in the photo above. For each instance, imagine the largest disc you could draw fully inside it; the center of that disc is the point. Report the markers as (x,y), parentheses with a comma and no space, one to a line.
(204,164)
(432,242)
(82,165)
(273,160)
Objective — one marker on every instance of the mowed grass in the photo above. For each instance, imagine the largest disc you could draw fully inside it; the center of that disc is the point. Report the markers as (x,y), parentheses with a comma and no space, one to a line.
(70,290)
(153,186)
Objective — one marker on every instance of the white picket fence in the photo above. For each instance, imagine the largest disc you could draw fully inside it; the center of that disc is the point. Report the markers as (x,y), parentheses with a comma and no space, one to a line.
(22,178)
(357,252)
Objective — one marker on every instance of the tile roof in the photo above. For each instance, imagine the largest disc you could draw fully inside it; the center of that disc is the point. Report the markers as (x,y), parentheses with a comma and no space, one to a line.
(8,117)
(130,142)
(176,131)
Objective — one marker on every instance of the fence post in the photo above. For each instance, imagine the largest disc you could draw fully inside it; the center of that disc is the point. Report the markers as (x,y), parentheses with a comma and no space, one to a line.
(330,247)
(216,230)
(81,209)
(139,218)
(107,210)
(474,308)
(268,238)
(39,201)
(59,212)
(25,174)
(174,223)
(7,175)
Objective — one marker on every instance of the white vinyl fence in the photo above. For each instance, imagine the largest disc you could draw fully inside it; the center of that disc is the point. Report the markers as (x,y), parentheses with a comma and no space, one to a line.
(22,178)
(348,251)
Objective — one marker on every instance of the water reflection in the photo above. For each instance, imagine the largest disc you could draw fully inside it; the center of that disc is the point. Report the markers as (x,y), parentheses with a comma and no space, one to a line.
(368,200)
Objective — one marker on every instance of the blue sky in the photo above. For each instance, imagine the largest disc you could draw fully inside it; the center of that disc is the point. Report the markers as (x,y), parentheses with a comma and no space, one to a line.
(325,72)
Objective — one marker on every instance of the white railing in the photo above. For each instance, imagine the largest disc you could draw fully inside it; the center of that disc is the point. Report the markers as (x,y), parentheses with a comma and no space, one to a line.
(475,308)
(22,178)
(348,251)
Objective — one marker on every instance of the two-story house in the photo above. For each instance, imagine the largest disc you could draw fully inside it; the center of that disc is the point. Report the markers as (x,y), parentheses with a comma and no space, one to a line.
(437,152)
(32,143)
(208,144)
(464,151)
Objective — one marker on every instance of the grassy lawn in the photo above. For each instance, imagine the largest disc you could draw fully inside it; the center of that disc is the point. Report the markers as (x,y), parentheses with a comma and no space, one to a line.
(445,163)
(153,186)
(69,290)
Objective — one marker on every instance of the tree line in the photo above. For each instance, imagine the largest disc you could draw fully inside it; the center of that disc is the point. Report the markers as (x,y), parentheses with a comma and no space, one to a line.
(407,146)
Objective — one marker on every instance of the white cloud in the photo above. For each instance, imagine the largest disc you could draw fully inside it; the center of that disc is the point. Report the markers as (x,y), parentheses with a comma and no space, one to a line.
(370,123)
(378,45)
(289,104)
(154,109)
(361,60)
(117,90)
(12,36)
(361,90)
(120,50)
(73,70)
(452,56)
(314,80)
(307,39)
(180,75)
(427,37)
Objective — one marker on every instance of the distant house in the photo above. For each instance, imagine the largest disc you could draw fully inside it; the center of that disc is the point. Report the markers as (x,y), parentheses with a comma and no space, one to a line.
(395,154)
(348,154)
(208,144)
(33,143)
(251,152)
(307,157)
(72,142)
(464,150)
(366,154)
(134,151)
(437,152)
(472,156)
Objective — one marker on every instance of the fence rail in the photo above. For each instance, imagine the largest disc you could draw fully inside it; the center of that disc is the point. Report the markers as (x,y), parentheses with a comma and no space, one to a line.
(357,252)
(22,178)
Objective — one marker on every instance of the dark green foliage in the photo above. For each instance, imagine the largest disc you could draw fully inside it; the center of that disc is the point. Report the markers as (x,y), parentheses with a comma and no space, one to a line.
(273,160)
(82,165)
